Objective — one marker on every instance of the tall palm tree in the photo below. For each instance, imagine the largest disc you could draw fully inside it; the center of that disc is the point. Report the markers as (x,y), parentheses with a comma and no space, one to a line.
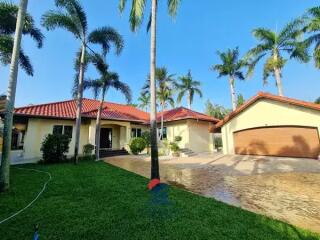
(231,67)
(188,87)
(313,27)
(165,97)
(100,87)
(8,19)
(72,17)
(136,19)
(144,101)
(274,45)
(164,85)
(7,131)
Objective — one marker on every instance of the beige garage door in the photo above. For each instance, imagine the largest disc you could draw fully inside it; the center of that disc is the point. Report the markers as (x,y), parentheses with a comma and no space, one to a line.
(278,141)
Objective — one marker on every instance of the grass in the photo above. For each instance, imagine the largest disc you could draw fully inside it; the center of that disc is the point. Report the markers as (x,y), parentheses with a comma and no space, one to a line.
(100,201)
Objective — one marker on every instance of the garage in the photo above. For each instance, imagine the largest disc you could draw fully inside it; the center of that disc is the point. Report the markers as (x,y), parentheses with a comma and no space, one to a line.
(270,125)
(282,141)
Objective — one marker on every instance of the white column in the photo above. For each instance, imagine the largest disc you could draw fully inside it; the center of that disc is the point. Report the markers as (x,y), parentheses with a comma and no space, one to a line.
(92,132)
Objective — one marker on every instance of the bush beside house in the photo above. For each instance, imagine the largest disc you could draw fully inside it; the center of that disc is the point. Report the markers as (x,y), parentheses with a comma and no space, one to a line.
(137,145)
(54,148)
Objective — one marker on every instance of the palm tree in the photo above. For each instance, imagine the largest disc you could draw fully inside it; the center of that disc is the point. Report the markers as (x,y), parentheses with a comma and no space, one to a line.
(7,131)
(313,27)
(136,17)
(164,85)
(144,101)
(8,19)
(188,87)
(240,100)
(273,45)
(231,67)
(72,17)
(101,85)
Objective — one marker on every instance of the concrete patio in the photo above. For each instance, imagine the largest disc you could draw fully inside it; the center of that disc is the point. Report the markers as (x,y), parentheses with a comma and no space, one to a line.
(282,188)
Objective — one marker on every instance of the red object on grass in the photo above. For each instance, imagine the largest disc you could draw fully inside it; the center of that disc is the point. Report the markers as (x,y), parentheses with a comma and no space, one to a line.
(154,182)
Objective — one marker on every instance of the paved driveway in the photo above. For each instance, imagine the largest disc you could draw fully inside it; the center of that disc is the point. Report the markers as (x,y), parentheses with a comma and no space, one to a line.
(283,188)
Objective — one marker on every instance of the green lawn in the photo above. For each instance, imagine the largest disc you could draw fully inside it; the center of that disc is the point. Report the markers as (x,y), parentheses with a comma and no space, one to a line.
(99,201)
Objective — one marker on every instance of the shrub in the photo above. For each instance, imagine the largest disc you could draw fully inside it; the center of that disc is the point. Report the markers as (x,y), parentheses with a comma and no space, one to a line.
(177,138)
(147,138)
(88,149)
(54,148)
(137,145)
(174,147)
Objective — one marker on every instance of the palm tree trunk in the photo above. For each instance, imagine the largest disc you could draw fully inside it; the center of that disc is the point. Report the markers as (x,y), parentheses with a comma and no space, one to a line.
(277,74)
(7,131)
(189,101)
(233,93)
(153,110)
(79,103)
(98,127)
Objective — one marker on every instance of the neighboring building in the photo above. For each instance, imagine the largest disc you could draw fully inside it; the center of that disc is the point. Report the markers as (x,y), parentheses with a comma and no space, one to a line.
(273,126)
(119,124)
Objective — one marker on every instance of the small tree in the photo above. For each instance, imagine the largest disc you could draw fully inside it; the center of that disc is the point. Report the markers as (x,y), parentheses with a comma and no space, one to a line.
(215,110)
(240,100)
(147,138)
(317,100)
(88,149)
(54,148)
(137,145)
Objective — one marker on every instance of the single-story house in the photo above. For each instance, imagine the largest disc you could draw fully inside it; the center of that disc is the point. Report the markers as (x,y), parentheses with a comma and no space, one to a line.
(119,124)
(272,125)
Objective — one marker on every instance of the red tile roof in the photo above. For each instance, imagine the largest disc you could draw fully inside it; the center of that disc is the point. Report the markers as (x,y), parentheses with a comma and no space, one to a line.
(184,113)
(263,95)
(67,110)
(112,111)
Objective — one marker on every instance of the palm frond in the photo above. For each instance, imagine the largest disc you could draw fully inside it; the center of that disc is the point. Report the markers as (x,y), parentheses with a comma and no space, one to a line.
(8,19)
(25,63)
(136,14)
(54,19)
(120,86)
(75,9)
(122,5)
(300,51)
(173,7)
(198,91)
(99,63)
(95,85)
(265,35)
(291,31)
(105,36)
(6,48)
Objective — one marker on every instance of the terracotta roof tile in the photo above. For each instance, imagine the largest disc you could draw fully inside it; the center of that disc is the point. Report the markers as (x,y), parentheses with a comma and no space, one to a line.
(264,95)
(114,111)
(184,113)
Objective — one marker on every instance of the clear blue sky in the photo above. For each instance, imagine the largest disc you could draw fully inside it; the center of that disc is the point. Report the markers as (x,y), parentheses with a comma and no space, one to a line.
(189,42)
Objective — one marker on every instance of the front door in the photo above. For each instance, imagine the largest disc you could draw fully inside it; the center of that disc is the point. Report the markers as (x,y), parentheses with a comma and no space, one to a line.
(106,138)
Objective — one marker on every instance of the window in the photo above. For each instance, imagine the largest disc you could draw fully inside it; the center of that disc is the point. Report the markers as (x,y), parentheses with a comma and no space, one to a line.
(68,131)
(60,129)
(57,129)
(136,132)
(17,139)
(164,133)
